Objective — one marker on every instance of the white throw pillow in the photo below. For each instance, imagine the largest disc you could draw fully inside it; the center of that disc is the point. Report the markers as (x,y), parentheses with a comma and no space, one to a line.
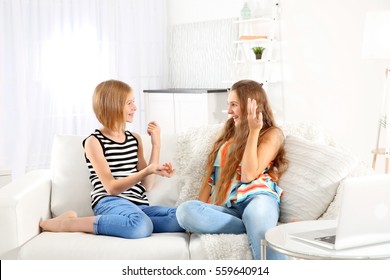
(362,169)
(70,177)
(312,178)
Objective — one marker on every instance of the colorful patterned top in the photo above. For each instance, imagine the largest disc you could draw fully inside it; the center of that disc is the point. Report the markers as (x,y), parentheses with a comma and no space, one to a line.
(239,191)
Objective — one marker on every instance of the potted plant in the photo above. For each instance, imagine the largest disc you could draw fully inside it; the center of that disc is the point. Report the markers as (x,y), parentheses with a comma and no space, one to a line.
(258,51)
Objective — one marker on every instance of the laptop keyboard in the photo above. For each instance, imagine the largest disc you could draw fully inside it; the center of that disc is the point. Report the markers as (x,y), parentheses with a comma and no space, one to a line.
(329,239)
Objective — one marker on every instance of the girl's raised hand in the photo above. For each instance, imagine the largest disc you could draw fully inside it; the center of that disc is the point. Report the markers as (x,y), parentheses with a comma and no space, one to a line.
(255,121)
(154,131)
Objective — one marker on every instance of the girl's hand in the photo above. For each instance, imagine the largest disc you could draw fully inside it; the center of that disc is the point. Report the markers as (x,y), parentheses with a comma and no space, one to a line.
(255,122)
(167,170)
(154,131)
(164,170)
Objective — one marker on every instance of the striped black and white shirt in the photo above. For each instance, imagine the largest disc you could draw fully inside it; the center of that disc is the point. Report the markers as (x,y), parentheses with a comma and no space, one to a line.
(122,159)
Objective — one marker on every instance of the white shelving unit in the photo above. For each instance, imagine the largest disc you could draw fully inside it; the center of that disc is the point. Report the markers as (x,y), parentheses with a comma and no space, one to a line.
(261,29)
(257,31)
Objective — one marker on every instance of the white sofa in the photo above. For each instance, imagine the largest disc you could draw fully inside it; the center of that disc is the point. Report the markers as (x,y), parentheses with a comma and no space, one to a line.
(314,177)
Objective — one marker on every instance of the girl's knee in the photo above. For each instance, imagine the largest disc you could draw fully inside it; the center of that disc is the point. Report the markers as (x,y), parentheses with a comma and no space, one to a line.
(261,214)
(142,228)
(182,208)
(263,206)
(184,211)
(172,212)
(181,212)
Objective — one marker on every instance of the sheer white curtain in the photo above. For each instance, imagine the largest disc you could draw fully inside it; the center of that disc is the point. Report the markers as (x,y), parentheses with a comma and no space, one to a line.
(52,55)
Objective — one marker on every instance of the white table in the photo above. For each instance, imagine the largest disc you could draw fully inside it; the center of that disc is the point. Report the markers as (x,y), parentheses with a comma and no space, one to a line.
(280,240)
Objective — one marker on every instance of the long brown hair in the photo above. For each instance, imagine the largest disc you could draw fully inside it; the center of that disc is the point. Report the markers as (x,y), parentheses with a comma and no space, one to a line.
(245,89)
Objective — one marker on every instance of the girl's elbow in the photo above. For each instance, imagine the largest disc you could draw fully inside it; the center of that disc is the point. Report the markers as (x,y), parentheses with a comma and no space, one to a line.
(111,190)
(148,188)
(148,184)
(248,177)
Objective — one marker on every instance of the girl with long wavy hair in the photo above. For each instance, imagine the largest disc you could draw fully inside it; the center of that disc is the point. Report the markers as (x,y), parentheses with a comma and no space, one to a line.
(239,193)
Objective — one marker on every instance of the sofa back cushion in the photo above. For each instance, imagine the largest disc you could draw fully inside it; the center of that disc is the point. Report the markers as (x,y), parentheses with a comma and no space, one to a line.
(70,176)
(311,180)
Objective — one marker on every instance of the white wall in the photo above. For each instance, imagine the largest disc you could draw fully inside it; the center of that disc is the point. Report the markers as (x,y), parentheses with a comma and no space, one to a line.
(188,11)
(326,78)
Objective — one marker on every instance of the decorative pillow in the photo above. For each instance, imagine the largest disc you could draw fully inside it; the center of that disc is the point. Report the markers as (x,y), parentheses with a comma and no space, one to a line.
(312,178)
(362,169)
(70,177)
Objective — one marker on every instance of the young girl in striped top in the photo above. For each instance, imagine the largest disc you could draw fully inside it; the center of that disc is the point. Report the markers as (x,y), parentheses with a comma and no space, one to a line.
(239,193)
(119,173)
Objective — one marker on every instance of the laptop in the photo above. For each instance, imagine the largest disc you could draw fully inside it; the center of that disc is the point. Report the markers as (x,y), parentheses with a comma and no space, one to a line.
(364,217)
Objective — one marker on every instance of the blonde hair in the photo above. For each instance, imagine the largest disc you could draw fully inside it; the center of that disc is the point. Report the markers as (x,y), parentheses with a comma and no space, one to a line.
(245,89)
(109,100)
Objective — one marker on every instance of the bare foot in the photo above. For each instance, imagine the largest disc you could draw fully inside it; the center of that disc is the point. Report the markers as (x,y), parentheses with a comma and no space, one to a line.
(56,224)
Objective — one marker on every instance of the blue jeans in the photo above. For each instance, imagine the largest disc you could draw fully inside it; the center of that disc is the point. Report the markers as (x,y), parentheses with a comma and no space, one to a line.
(116,216)
(253,216)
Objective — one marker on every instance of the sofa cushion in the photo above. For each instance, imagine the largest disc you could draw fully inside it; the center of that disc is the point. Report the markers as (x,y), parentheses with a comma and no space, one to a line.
(362,169)
(84,246)
(312,178)
(70,176)
(165,191)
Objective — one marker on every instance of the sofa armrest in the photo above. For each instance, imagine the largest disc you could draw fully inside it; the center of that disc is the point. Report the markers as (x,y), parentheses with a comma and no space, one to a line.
(23,203)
